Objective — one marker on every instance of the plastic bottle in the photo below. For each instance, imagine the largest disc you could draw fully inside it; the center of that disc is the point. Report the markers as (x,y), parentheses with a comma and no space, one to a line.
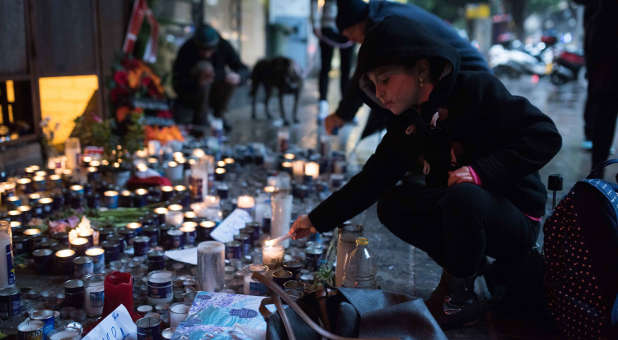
(360,270)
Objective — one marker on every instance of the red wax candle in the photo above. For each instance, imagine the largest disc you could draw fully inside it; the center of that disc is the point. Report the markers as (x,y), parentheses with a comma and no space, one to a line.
(118,290)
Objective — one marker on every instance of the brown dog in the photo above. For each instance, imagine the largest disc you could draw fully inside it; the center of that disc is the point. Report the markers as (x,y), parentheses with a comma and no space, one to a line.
(279,73)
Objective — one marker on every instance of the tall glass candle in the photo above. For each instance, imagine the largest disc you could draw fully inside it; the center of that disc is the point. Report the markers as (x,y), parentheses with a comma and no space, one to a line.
(7,269)
(298,169)
(312,169)
(281,204)
(210,265)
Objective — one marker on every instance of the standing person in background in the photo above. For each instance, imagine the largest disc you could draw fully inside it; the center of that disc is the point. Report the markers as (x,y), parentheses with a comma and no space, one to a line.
(355,18)
(601,52)
(206,72)
(325,28)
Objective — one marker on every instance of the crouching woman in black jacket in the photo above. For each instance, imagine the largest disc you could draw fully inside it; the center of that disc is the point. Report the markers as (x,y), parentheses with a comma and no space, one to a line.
(479,147)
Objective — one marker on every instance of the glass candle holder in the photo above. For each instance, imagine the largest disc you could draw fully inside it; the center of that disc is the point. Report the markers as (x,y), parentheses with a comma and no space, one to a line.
(79,245)
(140,198)
(189,232)
(174,215)
(178,313)
(220,174)
(247,203)
(167,192)
(64,261)
(97,255)
(111,199)
(160,213)
(204,229)
(272,255)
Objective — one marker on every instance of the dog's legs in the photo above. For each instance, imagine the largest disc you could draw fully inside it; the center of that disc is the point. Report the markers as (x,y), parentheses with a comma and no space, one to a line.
(295,112)
(267,93)
(253,100)
(281,109)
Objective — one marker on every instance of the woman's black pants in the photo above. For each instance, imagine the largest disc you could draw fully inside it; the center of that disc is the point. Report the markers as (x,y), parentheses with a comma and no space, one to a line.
(458,226)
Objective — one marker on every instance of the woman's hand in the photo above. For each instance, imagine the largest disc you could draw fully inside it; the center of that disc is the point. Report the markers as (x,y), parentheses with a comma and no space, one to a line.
(302,227)
(461,175)
(332,122)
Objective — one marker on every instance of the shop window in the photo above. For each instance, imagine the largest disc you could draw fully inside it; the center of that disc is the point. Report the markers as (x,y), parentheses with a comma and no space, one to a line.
(16,115)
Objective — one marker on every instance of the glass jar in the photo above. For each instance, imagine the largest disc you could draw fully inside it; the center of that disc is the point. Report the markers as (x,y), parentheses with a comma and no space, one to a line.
(95,294)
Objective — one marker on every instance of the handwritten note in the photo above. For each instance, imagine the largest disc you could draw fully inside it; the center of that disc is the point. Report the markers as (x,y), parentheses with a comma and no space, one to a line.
(226,230)
(118,325)
(188,255)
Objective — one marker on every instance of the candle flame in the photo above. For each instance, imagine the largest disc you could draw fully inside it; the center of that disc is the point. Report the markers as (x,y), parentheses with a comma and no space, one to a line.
(269,243)
(94,251)
(83,230)
(65,253)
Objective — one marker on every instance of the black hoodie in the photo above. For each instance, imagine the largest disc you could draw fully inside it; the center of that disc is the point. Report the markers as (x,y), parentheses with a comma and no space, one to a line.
(502,137)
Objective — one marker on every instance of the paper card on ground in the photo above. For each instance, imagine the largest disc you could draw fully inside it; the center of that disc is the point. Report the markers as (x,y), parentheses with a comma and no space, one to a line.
(223,316)
(188,255)
(118,325)
(226,230)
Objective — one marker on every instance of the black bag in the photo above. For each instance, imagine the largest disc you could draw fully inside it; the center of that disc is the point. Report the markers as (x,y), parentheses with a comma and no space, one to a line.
(581,260)
(353,313)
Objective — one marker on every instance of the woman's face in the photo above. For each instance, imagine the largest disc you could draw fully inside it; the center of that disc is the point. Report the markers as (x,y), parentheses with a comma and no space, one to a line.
(396,87)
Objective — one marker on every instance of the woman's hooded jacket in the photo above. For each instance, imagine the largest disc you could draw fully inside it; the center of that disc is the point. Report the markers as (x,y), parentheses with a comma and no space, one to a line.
(470,119)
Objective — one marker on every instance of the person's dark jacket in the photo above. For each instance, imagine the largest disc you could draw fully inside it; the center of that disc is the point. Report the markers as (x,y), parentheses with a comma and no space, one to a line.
(471,58)
(504,138)
(188,56)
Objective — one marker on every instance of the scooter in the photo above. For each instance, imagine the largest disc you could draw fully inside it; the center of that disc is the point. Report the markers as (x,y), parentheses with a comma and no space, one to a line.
(512,60)
(568,66)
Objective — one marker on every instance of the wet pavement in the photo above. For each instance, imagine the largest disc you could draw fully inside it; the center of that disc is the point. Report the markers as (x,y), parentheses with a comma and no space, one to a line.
(401,267)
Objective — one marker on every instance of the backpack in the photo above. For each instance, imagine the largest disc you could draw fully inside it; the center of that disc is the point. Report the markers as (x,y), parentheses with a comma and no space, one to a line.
(581,260)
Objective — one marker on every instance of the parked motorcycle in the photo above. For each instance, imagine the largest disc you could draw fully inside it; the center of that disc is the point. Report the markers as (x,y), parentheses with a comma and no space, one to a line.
(512,59)
(568,66)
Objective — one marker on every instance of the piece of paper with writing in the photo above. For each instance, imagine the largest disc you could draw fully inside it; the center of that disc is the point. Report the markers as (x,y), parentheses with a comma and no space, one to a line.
(226,230)
(118,325)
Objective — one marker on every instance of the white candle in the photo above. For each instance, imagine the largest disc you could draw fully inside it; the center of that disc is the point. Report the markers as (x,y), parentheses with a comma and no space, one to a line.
(312,169)
(212,201)
(289,156)
(298,169)
(246,203)
(153,147)
(229,161)
(178,312)
(173,171)
(221,164)
(141,153)
(210,265)
(174,215)
(272,254)
(7,270)
(281,215)
(198,153)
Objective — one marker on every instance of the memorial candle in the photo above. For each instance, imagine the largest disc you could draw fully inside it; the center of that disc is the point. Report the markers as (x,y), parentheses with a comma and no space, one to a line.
(247,203)
(25,185)
(289,156)
(221,164)
(287,167)
(93,174)
(77,189)
(136,227)
(95,163)
(153,162)
(173,171)
(219,174)
(198,153)
(312,169)
(160,212)
(141,197)
(55,181)
(174,215)
(189,233)
(13,201)
(167,192)
(79,245)
(111,199)
(141,153)
(98,258)
(64,261)
(34,198)
(126,198)
(298,169)
(39,183)
(47,204)
(272,254)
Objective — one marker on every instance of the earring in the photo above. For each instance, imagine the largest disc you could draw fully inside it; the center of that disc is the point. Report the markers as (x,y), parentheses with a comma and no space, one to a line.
(420,82)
